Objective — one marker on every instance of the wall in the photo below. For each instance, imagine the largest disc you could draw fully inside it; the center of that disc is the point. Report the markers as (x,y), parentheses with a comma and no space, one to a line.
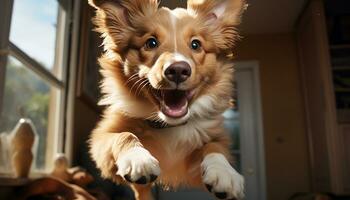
(286,149)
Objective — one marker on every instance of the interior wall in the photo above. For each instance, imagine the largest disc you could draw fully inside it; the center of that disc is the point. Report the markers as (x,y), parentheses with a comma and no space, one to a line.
(286,150)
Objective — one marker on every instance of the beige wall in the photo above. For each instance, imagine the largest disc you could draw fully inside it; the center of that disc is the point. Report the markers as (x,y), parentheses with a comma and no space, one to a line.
(286,150)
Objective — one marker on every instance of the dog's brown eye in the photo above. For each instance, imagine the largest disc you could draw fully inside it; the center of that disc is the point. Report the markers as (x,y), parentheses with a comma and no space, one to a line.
(195,44)
(151,43)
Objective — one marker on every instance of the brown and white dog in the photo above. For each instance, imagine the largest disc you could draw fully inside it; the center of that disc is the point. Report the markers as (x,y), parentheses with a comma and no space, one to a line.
(167,78)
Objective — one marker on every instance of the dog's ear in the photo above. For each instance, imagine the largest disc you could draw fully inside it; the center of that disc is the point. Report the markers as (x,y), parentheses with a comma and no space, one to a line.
(96,3)
(222,18)
(115,19)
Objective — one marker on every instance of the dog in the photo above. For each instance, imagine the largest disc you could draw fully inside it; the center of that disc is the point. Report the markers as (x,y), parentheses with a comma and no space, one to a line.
(167,78)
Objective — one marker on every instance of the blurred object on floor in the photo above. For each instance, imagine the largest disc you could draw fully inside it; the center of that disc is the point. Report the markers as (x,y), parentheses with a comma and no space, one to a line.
(80,176)
(16,149)
(76,175)
(52,188)
(60,169)
(5,166)
(22,141)
(310,196)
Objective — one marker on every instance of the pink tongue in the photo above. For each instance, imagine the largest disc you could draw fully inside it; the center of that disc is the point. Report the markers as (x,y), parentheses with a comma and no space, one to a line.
(175,103)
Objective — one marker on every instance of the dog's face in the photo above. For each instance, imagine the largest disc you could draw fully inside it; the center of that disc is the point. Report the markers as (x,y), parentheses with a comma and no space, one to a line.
(176,63)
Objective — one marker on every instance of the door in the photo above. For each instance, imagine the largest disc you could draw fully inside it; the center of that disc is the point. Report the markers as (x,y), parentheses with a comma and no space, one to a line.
(243,123)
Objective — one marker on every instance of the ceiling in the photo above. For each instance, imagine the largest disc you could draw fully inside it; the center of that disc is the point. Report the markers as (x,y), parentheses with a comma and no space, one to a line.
(263,16)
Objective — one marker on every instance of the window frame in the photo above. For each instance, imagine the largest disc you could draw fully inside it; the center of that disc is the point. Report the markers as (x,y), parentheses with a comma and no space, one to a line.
(60,82)
(5,25)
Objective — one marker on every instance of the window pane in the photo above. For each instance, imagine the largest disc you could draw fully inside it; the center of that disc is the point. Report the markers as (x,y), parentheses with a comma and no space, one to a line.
(27,95)
(33,29)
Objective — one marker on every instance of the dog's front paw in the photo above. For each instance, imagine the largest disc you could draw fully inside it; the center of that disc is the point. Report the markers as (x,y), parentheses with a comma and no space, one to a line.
(137,165)
(220,178)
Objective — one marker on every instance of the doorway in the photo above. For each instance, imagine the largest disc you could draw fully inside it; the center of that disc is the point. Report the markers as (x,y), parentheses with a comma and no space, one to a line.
(244,124)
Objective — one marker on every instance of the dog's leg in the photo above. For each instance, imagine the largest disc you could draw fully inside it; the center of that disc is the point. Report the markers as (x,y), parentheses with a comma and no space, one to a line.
(123,154)
(218,175)
(142,192)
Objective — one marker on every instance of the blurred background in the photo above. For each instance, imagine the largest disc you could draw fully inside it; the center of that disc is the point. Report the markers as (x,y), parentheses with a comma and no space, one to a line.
(290,127)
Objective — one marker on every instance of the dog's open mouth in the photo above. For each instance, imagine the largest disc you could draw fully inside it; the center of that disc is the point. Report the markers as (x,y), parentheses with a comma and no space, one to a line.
(174,103)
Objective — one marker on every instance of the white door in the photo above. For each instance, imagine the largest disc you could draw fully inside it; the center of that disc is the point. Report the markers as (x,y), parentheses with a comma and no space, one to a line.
(245,127)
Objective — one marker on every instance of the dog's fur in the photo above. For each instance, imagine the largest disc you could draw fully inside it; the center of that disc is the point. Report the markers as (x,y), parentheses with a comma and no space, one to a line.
(189,150)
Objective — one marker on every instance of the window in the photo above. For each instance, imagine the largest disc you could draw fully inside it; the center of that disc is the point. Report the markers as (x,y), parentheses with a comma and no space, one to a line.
(33,79)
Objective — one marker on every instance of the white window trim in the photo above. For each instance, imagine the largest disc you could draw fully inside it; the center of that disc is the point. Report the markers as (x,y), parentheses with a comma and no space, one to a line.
(71,94)
(63,43)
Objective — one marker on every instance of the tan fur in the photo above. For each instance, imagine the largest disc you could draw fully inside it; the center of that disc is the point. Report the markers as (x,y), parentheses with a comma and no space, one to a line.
(132,72)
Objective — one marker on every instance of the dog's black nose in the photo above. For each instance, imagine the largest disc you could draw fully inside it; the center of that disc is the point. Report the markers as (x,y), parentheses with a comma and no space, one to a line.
(178,72)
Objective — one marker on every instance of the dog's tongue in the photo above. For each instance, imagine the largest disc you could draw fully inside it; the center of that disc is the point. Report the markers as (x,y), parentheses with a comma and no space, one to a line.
(175,103)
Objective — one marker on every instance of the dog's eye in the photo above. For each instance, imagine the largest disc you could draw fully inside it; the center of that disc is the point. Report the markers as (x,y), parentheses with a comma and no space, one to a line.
(151,43)
(195,44)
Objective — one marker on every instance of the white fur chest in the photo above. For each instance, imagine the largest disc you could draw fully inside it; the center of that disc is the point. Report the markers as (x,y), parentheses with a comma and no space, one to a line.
(188,137)
(178,143)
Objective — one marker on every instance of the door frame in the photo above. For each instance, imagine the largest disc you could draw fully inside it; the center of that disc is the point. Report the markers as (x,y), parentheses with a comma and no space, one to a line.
(254,67)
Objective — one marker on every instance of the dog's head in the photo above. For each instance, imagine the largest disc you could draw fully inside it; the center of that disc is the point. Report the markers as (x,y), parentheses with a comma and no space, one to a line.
(168,65)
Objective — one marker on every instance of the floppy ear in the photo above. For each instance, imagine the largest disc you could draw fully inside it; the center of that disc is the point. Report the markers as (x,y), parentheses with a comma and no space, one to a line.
(222,18)
(115,19)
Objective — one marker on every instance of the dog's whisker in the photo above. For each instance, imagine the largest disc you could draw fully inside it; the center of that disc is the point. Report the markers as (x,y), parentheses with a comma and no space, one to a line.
(141,86)
(145,83)
(163,123)
(138,90)
(135,84)
(132,77)
(131,80)
(153,116)
(159,86)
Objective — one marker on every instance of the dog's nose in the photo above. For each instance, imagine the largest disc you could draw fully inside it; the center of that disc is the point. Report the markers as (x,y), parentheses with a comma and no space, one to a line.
(178,72)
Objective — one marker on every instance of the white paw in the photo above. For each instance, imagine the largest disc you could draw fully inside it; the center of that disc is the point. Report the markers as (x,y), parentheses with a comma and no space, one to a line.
(137,165)
(221,178)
